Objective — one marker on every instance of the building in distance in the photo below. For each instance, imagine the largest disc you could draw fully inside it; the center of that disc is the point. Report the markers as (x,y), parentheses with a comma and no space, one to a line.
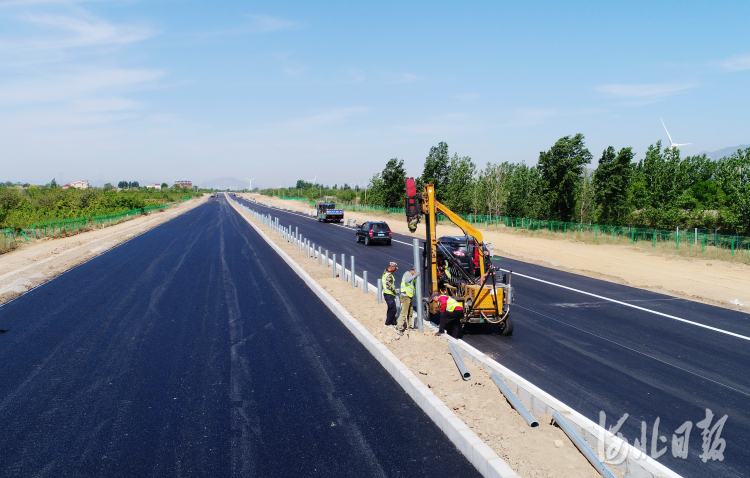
(184,183)
(77,185)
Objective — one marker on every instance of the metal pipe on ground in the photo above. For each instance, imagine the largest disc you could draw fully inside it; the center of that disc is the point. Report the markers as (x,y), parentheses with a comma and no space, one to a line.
(380,291)
(364,281)
(514,401)
(334,266)
(459,362)
(582,446)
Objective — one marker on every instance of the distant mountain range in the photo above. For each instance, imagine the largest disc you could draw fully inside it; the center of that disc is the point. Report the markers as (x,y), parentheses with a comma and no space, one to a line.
(225,183)
(723,152)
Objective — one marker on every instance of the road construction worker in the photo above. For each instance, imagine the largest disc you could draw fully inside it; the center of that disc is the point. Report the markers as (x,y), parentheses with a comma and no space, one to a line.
(443,273)
(389,294)
(408,289)
(450,317)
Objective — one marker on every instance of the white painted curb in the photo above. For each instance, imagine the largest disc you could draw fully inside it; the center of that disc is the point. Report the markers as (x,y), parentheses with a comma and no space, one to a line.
(484,459)
(620,454)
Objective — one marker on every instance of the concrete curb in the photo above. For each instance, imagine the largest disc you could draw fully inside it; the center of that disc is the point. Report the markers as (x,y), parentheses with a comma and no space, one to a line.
(613,450)
(484,459)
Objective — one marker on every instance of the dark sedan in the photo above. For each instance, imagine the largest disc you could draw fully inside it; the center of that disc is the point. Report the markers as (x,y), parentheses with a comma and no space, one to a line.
(372,232)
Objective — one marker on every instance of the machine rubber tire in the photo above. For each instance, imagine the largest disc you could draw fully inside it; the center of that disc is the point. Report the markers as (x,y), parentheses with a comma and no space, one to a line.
(356,236)
(388,243)
(367,240)
(506,327)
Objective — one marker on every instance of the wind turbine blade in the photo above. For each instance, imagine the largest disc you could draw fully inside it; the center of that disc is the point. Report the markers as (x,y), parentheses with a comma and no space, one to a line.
(671,143)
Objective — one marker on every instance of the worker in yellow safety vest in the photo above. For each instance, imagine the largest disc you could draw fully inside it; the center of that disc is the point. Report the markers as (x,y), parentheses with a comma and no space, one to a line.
(408,288)
(389,294)
(450,317)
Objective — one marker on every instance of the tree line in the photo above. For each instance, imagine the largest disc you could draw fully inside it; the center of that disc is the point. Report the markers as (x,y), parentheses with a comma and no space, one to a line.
(661,190)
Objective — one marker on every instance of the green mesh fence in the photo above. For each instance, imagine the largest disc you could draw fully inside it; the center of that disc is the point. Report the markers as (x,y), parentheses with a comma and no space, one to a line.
(7,239)
(686,238)
(54,227)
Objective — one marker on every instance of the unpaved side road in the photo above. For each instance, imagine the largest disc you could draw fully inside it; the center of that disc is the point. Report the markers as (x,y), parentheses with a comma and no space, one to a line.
(531,452)
(711,281)
(37,262)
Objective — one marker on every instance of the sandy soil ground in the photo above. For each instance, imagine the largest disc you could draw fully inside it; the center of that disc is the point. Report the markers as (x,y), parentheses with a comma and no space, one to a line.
(532,452)
(39,261)
(712,281)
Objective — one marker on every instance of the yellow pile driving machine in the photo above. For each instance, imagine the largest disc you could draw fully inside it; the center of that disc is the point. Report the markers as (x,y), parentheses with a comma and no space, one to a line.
(472,280)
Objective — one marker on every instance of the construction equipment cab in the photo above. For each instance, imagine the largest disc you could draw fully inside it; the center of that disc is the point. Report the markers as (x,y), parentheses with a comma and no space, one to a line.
(459,266)
(327,212)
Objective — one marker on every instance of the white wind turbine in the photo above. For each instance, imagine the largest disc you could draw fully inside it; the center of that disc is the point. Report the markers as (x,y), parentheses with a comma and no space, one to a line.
(672,144)
(251,183)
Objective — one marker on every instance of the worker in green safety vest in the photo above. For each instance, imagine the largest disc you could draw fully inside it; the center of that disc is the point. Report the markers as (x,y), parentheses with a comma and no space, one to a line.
(389,294)
(408,289)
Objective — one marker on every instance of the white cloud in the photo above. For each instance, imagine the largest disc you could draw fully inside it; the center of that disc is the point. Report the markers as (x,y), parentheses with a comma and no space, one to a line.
(735,63)
(467,97)
(81,84)
(405,78)
(265,23)
(653,90)
(77,32)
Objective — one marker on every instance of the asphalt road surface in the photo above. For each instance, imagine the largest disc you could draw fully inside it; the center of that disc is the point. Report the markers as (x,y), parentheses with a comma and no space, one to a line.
(600,354)
(194,350)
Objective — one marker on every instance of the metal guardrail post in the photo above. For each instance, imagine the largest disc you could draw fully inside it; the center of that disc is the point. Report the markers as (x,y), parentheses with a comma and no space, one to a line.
(514,401)
(380,291)
(364,281)
(418,286)
(334,266)
(326,257)
(584,447)
(354,278)
(320,255)
(343,267)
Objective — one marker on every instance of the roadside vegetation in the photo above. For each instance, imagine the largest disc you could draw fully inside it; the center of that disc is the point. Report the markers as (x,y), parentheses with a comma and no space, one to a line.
(20,207)
(661,190)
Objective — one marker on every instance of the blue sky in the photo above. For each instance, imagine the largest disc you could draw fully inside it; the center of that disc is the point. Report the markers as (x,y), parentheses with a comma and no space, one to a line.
(280,91)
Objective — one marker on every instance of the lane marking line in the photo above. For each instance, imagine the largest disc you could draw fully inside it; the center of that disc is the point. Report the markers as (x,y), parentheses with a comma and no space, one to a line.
(715,329)
(652,357)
